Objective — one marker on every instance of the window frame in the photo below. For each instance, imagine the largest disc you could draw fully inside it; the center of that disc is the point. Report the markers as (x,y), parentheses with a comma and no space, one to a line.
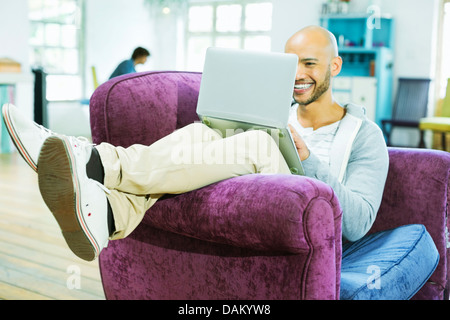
(214,34)
(441,82)
(79,47)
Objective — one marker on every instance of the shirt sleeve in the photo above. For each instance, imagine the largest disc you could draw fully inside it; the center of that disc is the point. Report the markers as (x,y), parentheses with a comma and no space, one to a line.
(361,190)
(124,67)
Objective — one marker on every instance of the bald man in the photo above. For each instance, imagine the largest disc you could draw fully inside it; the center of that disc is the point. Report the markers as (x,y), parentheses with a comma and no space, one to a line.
(101,193)
(337,144)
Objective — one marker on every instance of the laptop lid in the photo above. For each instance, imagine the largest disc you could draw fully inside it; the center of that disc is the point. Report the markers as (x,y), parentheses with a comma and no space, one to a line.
(247,90)
(247,86)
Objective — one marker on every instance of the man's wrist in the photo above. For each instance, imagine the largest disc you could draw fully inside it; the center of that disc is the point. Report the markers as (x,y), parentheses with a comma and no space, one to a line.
(304,154)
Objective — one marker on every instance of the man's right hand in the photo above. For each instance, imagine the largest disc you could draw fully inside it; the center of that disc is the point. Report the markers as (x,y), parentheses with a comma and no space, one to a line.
(302,149)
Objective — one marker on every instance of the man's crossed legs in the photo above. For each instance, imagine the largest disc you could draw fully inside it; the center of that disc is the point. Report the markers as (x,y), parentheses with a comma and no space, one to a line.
(100,193)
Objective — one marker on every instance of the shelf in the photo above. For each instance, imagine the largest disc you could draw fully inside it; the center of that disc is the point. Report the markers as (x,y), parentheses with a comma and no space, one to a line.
(359,50)
(360,30)
(353,16)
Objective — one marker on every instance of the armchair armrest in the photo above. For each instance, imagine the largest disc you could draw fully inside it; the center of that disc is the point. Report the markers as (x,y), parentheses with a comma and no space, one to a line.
(248,237)
(277,213)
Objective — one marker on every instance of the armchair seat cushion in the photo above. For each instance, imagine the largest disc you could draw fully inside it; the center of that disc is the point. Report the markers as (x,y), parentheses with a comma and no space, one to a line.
(388,265)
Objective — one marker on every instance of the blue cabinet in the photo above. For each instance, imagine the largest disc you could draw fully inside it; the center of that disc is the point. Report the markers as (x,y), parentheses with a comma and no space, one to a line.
(366,47)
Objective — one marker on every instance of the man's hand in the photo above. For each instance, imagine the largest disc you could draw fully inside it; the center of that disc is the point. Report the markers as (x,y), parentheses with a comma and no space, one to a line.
(302,149)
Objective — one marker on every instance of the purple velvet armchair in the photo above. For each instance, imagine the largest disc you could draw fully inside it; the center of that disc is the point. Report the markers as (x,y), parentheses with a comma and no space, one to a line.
(250,237)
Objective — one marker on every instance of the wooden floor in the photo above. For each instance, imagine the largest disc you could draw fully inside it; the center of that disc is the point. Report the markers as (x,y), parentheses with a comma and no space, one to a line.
(35,262)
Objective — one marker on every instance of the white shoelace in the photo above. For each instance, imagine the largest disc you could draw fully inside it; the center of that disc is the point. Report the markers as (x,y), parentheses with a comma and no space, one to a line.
(101,186)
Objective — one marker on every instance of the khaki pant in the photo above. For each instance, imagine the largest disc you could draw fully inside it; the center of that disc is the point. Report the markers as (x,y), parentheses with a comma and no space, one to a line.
(188,159)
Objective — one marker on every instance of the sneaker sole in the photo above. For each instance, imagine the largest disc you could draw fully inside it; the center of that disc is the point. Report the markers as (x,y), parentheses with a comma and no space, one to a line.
(15,138)
(59,187)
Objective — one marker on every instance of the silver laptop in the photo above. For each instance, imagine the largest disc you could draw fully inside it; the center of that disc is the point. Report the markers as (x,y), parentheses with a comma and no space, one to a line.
(248,90)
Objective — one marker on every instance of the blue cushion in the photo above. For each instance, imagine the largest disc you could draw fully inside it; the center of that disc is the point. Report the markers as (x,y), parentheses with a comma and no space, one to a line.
(388,265)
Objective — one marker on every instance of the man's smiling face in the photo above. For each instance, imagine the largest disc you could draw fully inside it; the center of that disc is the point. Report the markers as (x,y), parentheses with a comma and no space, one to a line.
(317,64)
(312,84)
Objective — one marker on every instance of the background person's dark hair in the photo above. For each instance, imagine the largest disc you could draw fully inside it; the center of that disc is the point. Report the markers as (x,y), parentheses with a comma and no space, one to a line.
(139,52)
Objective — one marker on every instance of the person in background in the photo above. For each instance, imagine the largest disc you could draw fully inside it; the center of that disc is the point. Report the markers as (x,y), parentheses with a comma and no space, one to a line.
(140,56)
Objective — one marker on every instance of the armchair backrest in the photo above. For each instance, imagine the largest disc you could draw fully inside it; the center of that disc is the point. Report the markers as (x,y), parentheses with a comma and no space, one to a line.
(166,98)
(417,192)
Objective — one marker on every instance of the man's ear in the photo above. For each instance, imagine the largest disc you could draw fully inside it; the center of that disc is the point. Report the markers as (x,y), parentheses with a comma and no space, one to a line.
(336,66)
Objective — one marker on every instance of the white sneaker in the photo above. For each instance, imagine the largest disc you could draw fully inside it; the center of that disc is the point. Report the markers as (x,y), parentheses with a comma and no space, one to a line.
(78,203)
(27,135)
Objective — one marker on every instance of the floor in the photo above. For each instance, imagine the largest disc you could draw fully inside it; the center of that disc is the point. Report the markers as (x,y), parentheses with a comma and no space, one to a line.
(35,262)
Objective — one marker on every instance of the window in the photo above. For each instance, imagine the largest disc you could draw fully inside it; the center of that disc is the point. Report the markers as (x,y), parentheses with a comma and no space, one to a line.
(55,37)
(443,64)
(231,24)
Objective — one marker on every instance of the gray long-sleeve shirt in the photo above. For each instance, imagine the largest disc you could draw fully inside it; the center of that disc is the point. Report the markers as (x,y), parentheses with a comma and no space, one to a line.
(357,171)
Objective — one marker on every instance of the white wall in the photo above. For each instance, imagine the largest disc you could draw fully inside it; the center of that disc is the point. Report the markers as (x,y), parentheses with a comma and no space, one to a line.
(114,28)
(14,33)
(289,16)
(416,26)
